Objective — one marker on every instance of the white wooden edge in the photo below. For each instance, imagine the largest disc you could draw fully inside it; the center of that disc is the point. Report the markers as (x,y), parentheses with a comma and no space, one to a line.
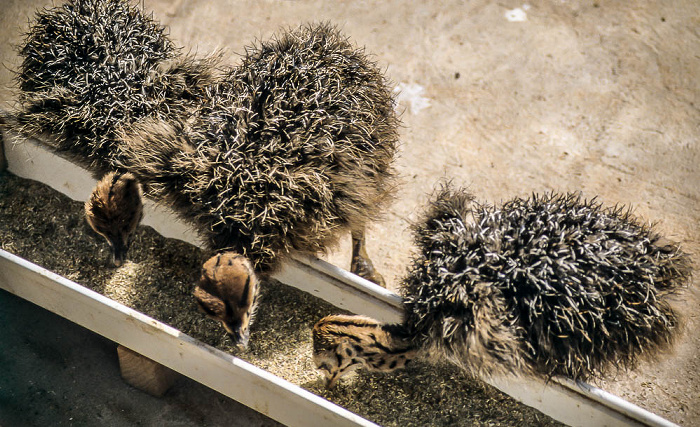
(576,404)
(231,376)
(624,407)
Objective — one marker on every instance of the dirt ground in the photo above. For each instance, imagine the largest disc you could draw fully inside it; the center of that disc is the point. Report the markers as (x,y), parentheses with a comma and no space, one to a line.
(511,98)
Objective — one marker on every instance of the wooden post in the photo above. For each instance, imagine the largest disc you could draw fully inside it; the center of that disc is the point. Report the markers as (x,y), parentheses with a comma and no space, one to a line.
(143,373)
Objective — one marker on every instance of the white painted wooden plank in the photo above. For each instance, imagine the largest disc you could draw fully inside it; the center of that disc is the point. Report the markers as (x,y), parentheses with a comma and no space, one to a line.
(32,161)
(354,296)
(574,404)
(603,397)
(356,283)
(233,377)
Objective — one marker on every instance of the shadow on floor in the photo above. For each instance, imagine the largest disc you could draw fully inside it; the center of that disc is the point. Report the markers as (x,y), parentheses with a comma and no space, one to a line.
(54,372)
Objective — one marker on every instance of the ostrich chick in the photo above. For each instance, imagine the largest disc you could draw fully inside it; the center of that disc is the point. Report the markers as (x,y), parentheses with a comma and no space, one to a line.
(114,210)
(227,292)
(289,149)
(547,285)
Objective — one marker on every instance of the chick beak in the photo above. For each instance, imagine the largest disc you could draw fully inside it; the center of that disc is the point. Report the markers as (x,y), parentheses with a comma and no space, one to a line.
(240,339)
(119,249)
(330,381)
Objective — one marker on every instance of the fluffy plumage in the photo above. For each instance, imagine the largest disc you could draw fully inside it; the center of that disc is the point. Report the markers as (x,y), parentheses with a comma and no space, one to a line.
(551,283)
(280,153)
(345,343)
(227,292)
(91,66)
(291,147)
(547,285)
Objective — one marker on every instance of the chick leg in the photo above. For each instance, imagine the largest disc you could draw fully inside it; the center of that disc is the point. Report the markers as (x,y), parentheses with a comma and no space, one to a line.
(360,263)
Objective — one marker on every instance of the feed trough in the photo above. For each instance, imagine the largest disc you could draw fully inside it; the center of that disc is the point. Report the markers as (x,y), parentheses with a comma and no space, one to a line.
(565,401)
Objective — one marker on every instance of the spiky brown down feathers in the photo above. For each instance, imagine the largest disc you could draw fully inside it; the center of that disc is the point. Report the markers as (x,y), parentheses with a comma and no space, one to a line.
(91,67)
(278,154)
(87,68)
(293,146)
(580,288)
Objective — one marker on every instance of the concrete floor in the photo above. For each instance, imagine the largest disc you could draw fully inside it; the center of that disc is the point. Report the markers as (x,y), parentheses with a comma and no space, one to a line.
(56,373)
(509,98)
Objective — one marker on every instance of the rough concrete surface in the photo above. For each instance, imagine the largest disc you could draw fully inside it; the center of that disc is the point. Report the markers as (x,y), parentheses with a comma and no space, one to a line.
(56,373)
(600,97)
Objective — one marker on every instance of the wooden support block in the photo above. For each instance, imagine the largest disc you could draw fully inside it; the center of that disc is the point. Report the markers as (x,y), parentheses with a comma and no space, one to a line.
(143,373)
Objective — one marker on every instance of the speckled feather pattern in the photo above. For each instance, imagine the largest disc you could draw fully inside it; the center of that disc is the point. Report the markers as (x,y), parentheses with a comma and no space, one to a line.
(551,284)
